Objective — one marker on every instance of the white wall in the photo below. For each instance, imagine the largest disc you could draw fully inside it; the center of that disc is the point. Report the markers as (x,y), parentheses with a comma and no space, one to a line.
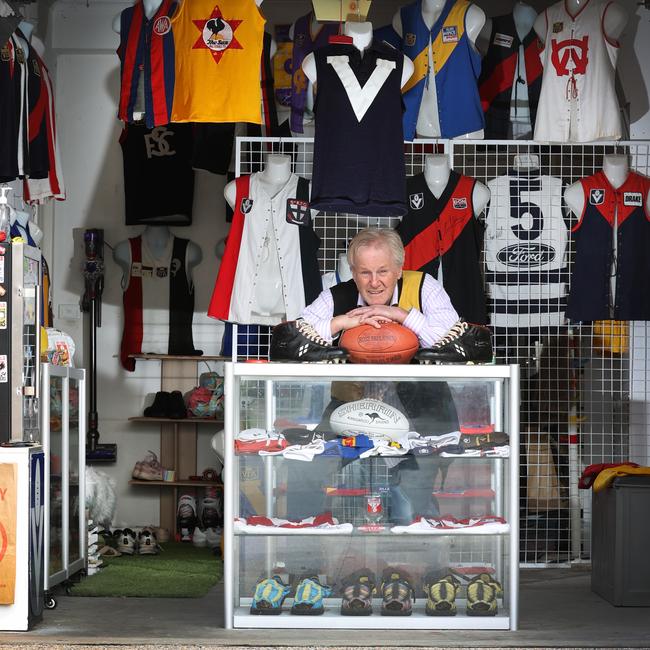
(85,69)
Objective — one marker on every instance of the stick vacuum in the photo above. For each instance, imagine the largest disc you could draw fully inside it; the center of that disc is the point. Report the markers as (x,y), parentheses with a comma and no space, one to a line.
(91,303)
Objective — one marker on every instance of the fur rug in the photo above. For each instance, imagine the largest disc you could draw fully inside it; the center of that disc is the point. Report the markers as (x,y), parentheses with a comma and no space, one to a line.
(101,498)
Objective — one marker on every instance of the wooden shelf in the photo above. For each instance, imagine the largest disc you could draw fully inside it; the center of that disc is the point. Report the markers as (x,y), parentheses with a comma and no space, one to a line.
(179,357)
(141,418)
(178,483)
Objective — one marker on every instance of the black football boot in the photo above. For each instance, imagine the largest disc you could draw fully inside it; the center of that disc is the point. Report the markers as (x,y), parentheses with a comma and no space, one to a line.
(299,341)
(463,343)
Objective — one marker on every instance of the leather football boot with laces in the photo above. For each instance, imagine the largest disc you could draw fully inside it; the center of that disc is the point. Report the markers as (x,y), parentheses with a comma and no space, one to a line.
(299,341)
(463,343)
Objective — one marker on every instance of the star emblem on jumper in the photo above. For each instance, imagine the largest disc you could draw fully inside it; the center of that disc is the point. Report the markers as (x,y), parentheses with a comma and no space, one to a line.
(217,34)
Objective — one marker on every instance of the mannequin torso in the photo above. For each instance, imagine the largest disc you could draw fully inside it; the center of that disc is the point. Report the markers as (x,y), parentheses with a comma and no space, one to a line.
(428,124)
(157,239)
(436,174)
(614,20)
(361,34)
(277,170)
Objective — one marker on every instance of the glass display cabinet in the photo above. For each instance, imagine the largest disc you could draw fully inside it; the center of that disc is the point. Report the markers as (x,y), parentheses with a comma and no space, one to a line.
(64,444)
(371,496)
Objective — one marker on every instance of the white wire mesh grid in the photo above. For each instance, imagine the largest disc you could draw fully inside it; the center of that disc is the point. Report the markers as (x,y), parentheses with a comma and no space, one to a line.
(584,386)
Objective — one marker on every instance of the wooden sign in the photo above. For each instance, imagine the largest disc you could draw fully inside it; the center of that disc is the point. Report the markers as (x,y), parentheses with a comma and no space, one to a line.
(341,9)
(8,504)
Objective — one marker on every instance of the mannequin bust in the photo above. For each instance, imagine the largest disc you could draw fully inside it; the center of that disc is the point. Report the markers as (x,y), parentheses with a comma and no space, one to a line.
(276,172)
(428,123)
(361,34)
(614,20)
(523,15)
(157,239)
(616,168)
(436,174)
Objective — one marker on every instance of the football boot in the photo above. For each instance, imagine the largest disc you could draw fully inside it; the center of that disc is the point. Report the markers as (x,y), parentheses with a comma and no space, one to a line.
(299,341)
(464,343)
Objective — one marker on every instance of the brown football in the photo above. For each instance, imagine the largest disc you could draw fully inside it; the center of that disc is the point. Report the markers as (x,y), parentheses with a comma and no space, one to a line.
(391,343)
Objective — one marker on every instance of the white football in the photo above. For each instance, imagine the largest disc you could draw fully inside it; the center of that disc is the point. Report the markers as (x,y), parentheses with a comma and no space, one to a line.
(369,416)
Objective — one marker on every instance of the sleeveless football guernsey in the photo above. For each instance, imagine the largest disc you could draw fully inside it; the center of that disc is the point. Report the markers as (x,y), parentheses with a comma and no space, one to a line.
(358,144)
(447,67)
(511,78)
(269,268)
(442,235)
(526,240)
(146,54)
(578,98)
(158,302)
(218,47)
(611,272)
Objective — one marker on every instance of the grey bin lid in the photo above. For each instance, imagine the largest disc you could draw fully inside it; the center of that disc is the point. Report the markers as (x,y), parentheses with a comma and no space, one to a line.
(637,481)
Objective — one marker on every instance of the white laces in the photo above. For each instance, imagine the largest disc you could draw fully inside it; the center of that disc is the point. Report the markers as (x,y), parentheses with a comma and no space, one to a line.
(455,332)
(308,331)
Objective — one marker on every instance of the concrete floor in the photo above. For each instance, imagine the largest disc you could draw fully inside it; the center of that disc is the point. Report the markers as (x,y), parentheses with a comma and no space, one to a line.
(558,609)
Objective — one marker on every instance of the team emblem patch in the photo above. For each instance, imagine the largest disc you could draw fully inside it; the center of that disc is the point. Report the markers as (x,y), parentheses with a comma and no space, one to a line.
(162,26)
(596,197)
(632,198)
(409,39)
(217,34)
(558,27)
(460,204)
(161,271)
(246,205)
(450,34)
(298,212)
(417,200)
(20,55)
(503,40)
(5,54)
(136,270)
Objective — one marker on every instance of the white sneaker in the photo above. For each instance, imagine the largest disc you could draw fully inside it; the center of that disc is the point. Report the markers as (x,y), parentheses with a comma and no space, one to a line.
(126,542)
(199,538)
(213,537)
(147,543)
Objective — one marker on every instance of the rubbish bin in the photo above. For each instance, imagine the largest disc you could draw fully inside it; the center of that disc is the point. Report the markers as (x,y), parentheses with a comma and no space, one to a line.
(620,530)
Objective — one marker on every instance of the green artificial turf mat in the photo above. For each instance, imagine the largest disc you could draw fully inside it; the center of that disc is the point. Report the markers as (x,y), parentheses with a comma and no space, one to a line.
(178,571)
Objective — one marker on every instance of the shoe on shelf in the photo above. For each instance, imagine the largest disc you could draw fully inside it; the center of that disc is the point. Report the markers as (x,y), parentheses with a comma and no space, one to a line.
(464,343)
(148,469)
(160,406)
(126,542)
(396,592)
(199,538)
(308,600)
(147,542)
(269,595)
(357,593)
(211,512)
(299,341)
(186,519)
(177,409)
(441,594)
(482,593)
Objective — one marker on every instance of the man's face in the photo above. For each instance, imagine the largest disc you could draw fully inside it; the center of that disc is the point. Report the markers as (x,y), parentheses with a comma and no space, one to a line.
(375,274)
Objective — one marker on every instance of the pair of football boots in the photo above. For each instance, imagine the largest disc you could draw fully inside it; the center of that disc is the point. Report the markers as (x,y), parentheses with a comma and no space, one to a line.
(299,341)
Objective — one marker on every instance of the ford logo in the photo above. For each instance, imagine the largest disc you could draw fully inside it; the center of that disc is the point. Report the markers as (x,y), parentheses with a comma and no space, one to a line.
(529,255)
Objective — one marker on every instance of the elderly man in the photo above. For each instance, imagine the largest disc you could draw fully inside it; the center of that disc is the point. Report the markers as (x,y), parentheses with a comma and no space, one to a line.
(381,291)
